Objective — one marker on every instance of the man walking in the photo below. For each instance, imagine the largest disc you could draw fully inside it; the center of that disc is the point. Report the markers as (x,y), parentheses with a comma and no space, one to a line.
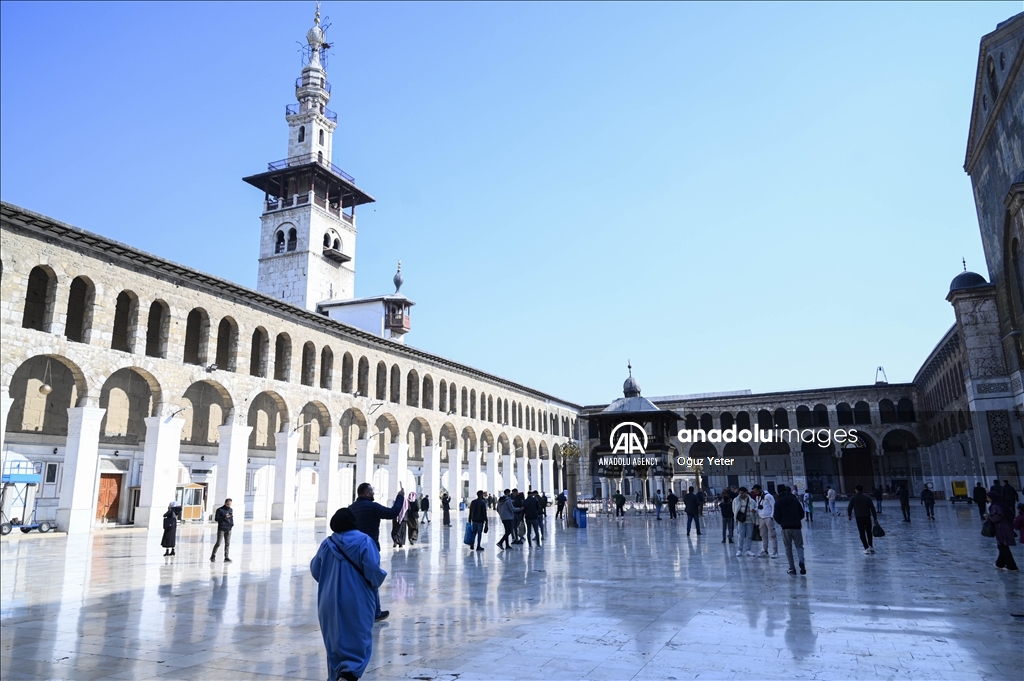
(531,513)
(620,502)
(368,515)
(788,513)
(425,509)
(878,497)
(928,499)
(904,496)
(560,501)
(766,521)
(728,520)
(830,500)
(478,516)
(1009,496)
(691,505)
(862,508)
(225,518)
(507,514)
(658,503)
(672,500)
(980,495)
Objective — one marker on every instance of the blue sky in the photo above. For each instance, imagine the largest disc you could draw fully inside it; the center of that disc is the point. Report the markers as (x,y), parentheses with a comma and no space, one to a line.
(730,195)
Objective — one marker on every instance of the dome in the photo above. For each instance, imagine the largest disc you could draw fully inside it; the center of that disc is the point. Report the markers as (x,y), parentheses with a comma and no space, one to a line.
(630,388)
(967,280)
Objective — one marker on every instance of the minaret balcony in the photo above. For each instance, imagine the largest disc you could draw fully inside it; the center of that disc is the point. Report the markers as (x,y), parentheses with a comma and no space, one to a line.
(296,109)
(312,81)
(336,255)
(309,158)
(400,323)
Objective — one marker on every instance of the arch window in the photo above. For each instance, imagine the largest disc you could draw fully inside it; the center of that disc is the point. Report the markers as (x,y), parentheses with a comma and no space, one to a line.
(259,354)
(320,157)
(412,389)
(79,317)
(337,244)
(157,328)
(727,420)
(692,422)
(126,311)
(887,411)
(442,396)
(765,420)
(490,408)
(743,421)
(803,417)
(308,370)
(472,404)
(197,331)
(346,373)
(326,368)
(227,344)
(453,393)
(321,138)
(844,414)
(279,242)
(862,414)
(396,384)
(39,299)
(302,133)
(283,357)
(382,381)
(327,240)
(428,392)
(465,402)
(993,82)
(293,239)
(706,422)
(905,411)
(363,377)
(821,416)
(781,418)
(515,411)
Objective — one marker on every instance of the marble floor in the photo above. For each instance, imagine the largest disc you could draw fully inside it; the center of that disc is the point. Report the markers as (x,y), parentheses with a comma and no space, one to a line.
(622,599)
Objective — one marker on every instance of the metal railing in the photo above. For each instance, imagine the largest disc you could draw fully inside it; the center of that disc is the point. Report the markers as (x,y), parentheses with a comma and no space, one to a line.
(301,82)
(294,109)
(309,158)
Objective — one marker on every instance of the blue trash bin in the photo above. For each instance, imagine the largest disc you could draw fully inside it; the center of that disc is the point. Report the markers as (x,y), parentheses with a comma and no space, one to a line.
(462,505)
(581,518)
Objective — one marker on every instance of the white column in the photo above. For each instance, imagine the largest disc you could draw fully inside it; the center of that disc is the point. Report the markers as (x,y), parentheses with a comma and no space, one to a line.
(474,474)
(77,507)
(365,451)
(287,445)
(232,461)
(346,476)
(5,409)
(506,474)
(398,464)
(432,476)
(548,475)
(159,470)
(521,482)
(493,478)
(329,500)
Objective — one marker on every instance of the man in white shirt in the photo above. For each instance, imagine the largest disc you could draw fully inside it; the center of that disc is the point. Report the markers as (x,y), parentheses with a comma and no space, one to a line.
(830,500)
(766,521)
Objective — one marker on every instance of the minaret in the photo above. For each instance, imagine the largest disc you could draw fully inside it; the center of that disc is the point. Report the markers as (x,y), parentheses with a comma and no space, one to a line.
(308,239)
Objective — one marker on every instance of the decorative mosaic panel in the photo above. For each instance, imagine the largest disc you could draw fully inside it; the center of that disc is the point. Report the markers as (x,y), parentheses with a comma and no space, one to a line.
(999,433)
(986,388)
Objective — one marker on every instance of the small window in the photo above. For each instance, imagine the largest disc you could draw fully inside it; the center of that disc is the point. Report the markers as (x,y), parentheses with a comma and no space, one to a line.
(319,157)
(327,240)
(1002,61)
(293,239)
(279,242)
(302,133)
(51,473)
(321,138)
(993,85)
(337,244)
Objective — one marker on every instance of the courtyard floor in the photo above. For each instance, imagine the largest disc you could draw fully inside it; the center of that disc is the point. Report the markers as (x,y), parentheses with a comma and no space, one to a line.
(622,599)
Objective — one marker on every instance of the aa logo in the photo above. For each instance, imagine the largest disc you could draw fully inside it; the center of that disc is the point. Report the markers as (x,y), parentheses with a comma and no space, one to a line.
(628,438)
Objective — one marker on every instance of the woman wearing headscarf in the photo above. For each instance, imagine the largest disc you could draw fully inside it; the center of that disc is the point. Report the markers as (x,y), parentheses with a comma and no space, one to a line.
(412,518)
(170,530)
(398,526)
(347,571)
(1002,518)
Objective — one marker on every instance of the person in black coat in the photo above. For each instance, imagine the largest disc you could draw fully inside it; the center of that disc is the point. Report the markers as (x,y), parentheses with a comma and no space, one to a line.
(862,508)
(878,498)
(904,496)
(980,495)
(425,507)
(368,514)
(928,499)
(672,500)
(788,514)
(170,530)
(1009,495)
(691,504)
(446,508)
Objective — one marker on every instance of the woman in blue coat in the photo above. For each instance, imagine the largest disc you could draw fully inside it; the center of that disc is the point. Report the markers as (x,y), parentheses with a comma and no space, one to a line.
(347,571)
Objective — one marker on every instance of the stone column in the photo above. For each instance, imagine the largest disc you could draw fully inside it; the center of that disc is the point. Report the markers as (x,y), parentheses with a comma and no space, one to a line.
(159,470)
(287,446)
(346,476)
(840,482)
(506,475)
(232,462)
(77,507)
(398,464)
(799,473)
(521,480)
(474,474)
(365,450)
(432,476)
(329,500)
(5,409)
(493,476)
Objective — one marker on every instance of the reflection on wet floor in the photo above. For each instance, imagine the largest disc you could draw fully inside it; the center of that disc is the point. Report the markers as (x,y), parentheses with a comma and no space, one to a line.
(622,599)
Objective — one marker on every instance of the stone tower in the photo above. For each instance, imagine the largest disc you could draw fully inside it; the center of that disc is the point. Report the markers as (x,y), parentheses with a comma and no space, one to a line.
(308,237)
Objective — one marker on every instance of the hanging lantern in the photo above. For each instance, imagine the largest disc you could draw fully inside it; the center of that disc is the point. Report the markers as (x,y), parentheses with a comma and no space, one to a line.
(46,388)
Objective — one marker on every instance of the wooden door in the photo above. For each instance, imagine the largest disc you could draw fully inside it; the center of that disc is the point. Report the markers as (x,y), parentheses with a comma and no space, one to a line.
(109,498)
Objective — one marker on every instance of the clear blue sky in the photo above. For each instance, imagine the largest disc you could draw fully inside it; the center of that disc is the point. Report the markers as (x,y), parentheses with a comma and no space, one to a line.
(733,196)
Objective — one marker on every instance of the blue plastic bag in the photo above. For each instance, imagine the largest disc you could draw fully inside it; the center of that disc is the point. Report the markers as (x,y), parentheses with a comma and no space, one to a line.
(468,540)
